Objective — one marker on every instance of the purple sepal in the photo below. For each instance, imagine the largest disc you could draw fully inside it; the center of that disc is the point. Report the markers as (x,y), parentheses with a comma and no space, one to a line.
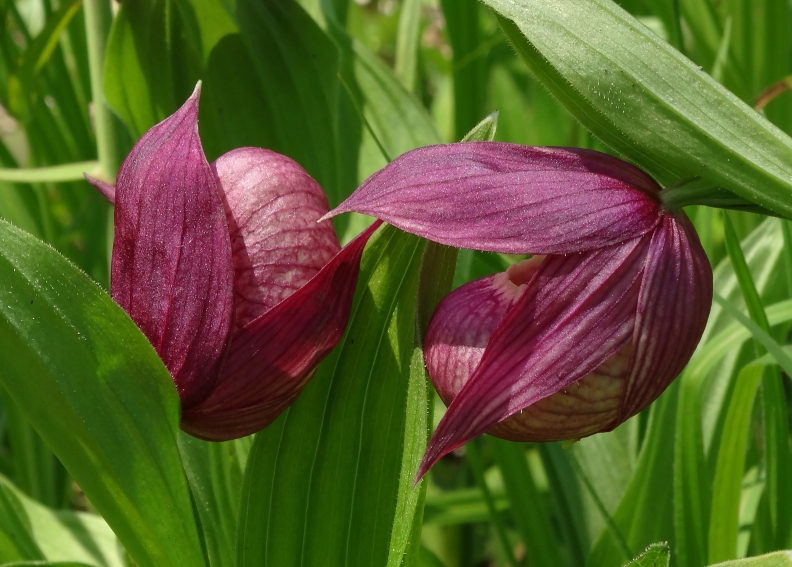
(509,198)
(673,307)
(273,357)
(577,311)
(171,266)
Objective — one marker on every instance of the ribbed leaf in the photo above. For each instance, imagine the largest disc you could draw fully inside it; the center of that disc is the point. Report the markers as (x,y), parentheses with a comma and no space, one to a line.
(647,101)
(724,516)
(93,387)
(322,482)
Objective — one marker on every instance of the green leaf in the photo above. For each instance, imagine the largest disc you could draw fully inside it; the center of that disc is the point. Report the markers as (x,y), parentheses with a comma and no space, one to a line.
(648,102)
(644,512)
(469,62)
(149,68)
(39,52)
(777,559)
(214,472)
(63,535)
(656,555)
(691,476)
(322,482)
(484,131)
(776,419)
(408,39)
(274,85)
(95,390)
(727,484)
(527,507)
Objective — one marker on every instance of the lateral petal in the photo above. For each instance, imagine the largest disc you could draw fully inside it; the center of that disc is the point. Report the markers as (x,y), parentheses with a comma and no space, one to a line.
(577,311)
(673,307)
(272,206)
(171,266)
(510,198)
(273,357)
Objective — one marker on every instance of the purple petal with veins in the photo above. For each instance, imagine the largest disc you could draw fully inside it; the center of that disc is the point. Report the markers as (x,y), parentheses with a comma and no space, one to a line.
(577,311)
(171,266)
(272,205)
(673,307)
(510,198)
(272,357)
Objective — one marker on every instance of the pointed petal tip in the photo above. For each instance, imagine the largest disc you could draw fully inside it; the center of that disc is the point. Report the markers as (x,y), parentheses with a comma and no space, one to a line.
(196,95)
(106,189)
(329,215)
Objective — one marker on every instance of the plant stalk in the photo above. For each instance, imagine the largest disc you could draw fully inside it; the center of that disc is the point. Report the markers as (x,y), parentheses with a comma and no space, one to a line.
(98,18)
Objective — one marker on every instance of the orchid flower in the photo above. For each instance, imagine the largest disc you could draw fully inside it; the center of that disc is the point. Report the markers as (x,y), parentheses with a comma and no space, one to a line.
(227,272)
(580,337)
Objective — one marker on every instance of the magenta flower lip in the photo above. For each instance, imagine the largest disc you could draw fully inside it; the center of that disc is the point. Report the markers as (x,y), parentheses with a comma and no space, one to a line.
(577,341)
(227,272)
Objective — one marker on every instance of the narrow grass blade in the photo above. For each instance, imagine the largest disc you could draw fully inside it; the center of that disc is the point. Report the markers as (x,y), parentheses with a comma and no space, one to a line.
(727,484)
(526,505)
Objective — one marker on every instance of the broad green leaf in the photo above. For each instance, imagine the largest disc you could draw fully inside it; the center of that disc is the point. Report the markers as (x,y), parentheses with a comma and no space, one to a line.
(567,499)
(95,390)
(214,472)
(282,67)
(727,483)
(322,482)
(16,538)
(647,101)
(608,461)
(63,535)
(644,512)
(656,555)
(777,559)
(149,69)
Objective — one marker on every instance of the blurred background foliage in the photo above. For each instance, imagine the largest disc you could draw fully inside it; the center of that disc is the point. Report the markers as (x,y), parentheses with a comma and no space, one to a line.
(304,79)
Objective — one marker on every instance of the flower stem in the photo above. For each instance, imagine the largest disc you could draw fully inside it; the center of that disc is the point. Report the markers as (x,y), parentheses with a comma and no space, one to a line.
(98,18)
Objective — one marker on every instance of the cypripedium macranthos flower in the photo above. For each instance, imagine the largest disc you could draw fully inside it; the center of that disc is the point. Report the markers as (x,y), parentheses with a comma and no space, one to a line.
(227,272)
(581,336)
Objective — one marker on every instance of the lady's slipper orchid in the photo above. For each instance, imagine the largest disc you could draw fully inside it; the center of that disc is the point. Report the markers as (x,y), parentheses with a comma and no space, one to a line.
(566,344)
(227,272)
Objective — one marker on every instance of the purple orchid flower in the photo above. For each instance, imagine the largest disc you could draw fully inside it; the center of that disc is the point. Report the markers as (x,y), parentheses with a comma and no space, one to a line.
(580,337)
(227,272)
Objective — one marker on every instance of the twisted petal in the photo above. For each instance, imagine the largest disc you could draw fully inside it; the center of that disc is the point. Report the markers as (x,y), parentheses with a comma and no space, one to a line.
(273,356)
(272,205)
(673,306)
(545,200)
(577,311)
(171,266)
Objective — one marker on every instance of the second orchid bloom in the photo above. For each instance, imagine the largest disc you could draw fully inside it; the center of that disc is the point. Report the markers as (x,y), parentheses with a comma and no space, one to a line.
(580,337)
(227,272)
